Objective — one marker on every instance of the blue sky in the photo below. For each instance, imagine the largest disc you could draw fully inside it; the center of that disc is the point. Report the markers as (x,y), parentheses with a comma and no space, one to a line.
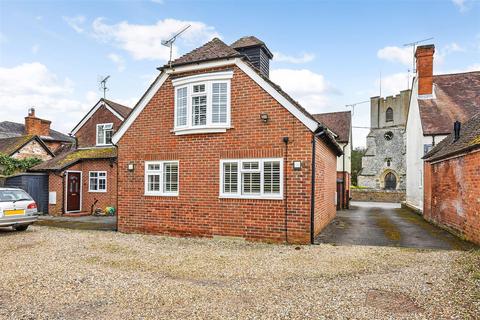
(327,53)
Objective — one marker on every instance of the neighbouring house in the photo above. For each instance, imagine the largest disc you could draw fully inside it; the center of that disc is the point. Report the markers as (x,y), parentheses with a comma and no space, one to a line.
(384,163)
(26,146)
(340,123)
(436,102)
(452,181)
(55,141)
(215,148)
(85,178)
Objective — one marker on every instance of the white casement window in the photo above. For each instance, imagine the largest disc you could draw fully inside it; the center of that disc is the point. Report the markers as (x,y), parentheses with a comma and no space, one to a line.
(97,181)
(161,178)
(104,134)
(251,178)
(202,103)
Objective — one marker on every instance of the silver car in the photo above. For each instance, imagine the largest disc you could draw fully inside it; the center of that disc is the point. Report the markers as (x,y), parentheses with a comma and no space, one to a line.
(17,209)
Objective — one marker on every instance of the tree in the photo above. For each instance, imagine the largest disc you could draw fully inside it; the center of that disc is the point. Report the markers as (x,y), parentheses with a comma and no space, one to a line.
(357,155)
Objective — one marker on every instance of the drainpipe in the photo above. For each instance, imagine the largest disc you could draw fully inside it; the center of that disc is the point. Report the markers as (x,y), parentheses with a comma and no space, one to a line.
(344,175)
(285,166)
(312,195)
(116,198)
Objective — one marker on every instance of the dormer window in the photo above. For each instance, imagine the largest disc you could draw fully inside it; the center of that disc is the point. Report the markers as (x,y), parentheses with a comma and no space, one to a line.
(104,134)
(202,103)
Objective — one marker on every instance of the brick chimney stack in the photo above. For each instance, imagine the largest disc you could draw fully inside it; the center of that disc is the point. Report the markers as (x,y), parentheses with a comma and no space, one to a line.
(424,56)
(36,126)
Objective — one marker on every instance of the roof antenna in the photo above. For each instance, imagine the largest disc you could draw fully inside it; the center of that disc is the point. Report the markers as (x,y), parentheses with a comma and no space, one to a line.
(103,84)
(169,43)
(353,105)
(414,46)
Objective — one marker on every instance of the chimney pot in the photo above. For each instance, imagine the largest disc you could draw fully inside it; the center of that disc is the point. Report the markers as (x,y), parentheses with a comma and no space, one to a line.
(424,56)
(31,112)
(36,126)
(456,130)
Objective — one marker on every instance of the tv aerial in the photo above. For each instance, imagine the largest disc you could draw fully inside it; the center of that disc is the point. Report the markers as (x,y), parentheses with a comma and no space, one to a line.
(169,43)
(103,84)
(414,46)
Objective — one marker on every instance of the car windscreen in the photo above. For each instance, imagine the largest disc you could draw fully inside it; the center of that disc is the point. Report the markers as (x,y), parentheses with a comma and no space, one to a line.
(13,195)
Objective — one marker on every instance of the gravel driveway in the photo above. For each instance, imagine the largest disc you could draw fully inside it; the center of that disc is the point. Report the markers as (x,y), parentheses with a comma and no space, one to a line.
(50,273)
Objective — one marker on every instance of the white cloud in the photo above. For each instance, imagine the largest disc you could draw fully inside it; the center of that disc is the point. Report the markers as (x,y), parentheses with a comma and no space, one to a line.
(76,23)
(32,84)
(35,48)
(118,60)
(396,54)
(309,88)
(144,41)
(461,5)
(392,84)
(304,58)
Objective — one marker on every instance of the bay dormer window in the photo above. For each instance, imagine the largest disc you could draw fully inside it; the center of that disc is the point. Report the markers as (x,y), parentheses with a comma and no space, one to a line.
(104,134)
(202,103)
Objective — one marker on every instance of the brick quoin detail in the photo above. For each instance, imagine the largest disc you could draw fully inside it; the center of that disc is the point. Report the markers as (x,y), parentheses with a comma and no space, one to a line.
(198,210)
(87,134)
(452,195)
(109,198)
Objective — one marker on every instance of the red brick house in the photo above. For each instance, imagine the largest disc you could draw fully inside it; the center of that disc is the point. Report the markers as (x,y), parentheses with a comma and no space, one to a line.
(85,178)
(214,148)
(340,124)
(452,181)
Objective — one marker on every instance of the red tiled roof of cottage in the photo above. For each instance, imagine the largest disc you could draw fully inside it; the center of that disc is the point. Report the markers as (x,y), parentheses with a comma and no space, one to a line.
(338,122)
(469,139)
(124,111)
(457,98)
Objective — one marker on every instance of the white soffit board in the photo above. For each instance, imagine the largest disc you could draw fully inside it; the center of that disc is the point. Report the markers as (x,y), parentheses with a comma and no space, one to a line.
(92,112)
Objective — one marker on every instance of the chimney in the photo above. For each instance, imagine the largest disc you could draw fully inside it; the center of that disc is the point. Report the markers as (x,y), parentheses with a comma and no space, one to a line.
(256,51)
(456,130)
(424,56)
(36,126)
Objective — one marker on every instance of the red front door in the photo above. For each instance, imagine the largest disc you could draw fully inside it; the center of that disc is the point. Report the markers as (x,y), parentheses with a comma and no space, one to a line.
(73,191)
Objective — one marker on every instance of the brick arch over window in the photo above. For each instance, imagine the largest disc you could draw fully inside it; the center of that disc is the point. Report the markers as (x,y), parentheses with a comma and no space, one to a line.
(389,115)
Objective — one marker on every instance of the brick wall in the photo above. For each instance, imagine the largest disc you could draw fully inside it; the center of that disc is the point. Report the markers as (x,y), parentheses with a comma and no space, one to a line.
(198,210)
(452,195)
(377,195)
(105,199)
(344,203)
(87,134)
(325,186)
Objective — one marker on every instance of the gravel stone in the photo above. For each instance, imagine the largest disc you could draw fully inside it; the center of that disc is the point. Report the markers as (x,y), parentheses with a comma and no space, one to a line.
(52,273)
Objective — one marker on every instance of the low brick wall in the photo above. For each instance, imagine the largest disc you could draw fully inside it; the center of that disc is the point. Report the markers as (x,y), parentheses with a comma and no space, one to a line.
(377,195)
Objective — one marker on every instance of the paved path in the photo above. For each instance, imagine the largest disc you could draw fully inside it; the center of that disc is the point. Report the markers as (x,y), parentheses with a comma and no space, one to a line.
(108,223)
(386,224)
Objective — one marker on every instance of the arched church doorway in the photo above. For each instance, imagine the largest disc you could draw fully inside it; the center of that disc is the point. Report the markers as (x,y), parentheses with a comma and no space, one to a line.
(390,181)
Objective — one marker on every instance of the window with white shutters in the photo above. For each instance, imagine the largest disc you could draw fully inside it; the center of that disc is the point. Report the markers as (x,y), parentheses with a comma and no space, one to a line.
(252,178)
(161,178)
(202,103)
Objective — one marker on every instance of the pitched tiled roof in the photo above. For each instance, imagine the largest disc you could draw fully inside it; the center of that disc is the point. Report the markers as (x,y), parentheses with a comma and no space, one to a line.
(212,50)
(250,41)
(338,122)
(457,97)
(469,140)
(11,145)
(124,111)
(10,129)
(70,158)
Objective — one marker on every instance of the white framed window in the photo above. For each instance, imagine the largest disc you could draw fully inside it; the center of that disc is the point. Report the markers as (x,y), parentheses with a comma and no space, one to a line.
(202,103)
(97,181)
(104,134)
(251,178)
(161,178)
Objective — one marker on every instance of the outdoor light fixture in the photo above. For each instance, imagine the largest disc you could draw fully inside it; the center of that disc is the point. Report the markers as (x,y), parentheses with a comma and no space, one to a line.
(130,167)
(264,117)
(297,165)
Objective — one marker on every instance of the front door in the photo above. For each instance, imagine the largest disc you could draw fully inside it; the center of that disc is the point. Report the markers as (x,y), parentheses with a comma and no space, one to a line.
(73,191)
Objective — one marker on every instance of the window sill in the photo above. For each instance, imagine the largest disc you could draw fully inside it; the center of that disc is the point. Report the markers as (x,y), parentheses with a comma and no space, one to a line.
(250,197)
(161,194)
(97,191)
(183,131)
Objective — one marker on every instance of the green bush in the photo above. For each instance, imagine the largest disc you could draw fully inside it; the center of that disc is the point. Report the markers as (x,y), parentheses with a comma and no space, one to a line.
(10,165)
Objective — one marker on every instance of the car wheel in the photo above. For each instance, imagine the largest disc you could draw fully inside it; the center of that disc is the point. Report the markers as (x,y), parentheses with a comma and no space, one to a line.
(20,228)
